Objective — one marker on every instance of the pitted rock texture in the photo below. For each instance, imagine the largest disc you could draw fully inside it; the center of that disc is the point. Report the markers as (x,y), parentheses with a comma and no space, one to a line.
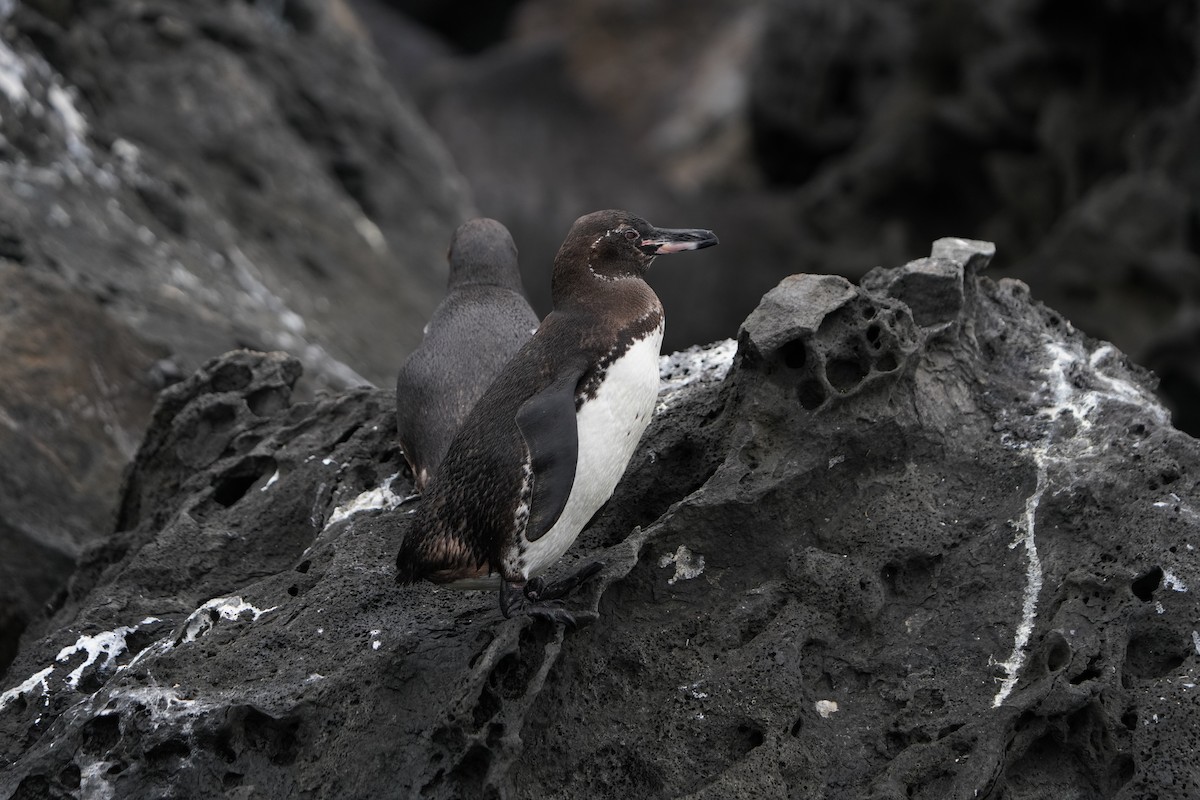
(828,337)
(971,575)
(178,180)
(835,135)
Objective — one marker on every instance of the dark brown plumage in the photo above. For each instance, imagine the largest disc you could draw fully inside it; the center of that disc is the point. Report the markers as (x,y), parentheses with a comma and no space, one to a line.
(499,505)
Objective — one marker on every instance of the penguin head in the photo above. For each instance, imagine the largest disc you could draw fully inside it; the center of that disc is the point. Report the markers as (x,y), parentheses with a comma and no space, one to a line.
(482,251)
(617,244)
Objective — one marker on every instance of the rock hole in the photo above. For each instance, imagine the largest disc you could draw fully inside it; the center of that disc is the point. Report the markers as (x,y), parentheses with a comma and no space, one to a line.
(512,673)
(812,394)
(268,401)
(303,566)
(1155,652)
(101,734)
(795,354)
(1145,585)
(231,780)
(1130,719)
(868,312)
(473,768)
(293,590)
(752,735)
(796,726)
(276,738)
(845,374)
(1090,673)
(431,786)
(887,362)
(216,418)
(172,748)
(231,378)
(233,485)
(70,776)
(873,336)
(1058,654)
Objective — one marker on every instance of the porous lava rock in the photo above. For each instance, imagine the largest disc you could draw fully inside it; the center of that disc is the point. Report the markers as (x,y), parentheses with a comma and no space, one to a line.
(967,571)
(178,180)
(836,135)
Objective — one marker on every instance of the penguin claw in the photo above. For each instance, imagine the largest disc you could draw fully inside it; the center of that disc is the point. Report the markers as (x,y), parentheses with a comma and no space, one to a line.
(537,590)
(536,598)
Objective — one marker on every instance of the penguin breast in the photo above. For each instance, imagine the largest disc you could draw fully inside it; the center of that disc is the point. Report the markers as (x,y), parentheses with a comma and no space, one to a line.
(610,423)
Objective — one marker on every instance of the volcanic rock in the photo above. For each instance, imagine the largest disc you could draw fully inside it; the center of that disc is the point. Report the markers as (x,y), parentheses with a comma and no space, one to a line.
(870,549)
(178,180)
(835,135)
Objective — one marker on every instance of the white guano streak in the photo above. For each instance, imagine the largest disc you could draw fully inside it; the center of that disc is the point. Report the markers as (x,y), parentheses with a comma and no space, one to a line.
(1033,588)
(1065,395)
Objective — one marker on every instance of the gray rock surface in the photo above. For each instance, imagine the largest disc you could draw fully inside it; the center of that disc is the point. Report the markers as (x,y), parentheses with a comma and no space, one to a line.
(835,135)
(178,180)
(868,550)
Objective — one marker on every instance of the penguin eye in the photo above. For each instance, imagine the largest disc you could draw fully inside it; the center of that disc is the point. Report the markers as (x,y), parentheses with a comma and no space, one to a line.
(631,235)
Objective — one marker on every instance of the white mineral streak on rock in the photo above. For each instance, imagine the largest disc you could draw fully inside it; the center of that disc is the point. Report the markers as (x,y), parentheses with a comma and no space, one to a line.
(1033,587)
(381,497)
(688,565)
(27,686)
(1172,582)
(1075,387)
(686,367)
(206,616)
(110,643)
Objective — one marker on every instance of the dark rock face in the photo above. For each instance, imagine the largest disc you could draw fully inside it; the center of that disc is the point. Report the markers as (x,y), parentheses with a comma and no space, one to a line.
(873,550)
(833,135)
(178,180)
(223,177)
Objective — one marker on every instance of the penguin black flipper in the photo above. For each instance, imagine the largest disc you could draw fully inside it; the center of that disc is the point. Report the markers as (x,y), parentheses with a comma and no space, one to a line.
(548,426)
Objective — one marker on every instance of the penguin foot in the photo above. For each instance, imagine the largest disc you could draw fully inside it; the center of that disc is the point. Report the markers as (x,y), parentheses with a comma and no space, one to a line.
(536,598)
(537,590)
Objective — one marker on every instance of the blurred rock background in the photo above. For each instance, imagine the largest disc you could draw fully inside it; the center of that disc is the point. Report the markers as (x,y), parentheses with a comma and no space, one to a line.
(830,136)
(180,179)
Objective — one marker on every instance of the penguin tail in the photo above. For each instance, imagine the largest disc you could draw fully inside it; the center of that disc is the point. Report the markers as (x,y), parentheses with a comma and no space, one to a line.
(408,567)
(409,564)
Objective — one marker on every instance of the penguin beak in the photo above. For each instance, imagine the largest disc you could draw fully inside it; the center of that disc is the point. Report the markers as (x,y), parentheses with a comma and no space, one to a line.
(676,240)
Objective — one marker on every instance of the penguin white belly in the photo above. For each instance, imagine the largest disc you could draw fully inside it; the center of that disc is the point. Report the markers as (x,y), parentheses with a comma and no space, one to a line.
(610,426)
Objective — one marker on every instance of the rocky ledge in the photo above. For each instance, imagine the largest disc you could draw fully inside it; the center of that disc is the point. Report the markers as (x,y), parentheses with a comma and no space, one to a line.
(917,538)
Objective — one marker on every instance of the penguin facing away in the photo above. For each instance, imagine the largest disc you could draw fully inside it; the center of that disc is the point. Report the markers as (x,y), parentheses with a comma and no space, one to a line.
(546,444)
(483,320)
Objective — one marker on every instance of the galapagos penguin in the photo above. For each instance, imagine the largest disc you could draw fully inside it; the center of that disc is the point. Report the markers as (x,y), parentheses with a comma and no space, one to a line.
(483,320)
(546,444)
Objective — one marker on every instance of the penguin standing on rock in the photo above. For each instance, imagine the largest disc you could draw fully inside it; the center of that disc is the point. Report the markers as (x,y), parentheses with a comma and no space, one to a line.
(545,446)
(481,323)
